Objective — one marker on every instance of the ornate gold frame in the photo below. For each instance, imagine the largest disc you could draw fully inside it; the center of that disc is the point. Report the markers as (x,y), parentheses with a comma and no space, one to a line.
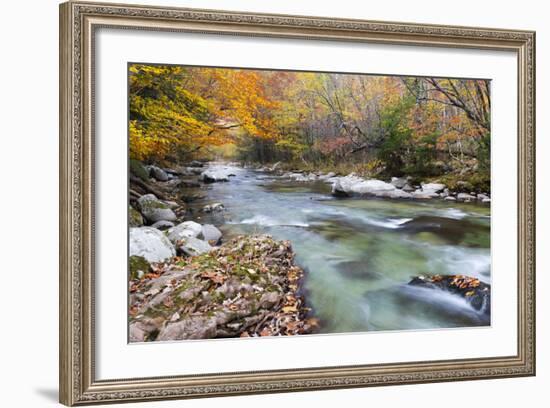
(78,21)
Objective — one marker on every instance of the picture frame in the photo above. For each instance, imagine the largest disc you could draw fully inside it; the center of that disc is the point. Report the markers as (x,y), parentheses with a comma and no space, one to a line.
(79,22)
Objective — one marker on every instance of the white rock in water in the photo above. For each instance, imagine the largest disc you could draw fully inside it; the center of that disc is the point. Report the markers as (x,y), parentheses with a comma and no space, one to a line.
(371,187)
(187,229)
(396,193)
(194,246)
(450,198)
(424,195)
(352,184)
(399,182)
(155,210)
(151,244)
(486,200)
(213,207)
(432,188)
(306,177)
(214,175)
(465,197)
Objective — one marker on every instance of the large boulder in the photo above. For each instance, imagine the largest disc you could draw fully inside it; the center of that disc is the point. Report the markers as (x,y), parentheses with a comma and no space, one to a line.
(214,175)
(158,174)
(210,234)
(151,244)
(349,185)
(341,186)
(155,210)
(372,187)
(187,229)
(193,246)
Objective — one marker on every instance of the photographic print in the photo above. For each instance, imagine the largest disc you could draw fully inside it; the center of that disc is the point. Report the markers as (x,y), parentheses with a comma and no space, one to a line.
(282,203)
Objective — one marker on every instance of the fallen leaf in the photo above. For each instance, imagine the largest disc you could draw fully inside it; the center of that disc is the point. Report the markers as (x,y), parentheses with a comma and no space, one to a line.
(289,309)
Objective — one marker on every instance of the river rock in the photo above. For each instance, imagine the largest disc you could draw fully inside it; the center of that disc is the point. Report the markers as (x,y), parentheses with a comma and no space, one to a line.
(214,175)
(193,246)
(428,188)
(157,173)
(151,244)
(210,234)
(195,163)
(450,198)
(395,193)
(399,182)
(342,185)
(187,229)
(372,187)
(163,225)
(134,217)
(486,201)
(408,188)
(482,197)
(155,210)
(465,197)
(478,293)
(305,177)
(326,177)
(214,207)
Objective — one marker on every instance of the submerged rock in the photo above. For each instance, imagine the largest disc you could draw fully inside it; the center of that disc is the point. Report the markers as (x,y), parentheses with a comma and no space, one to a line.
(151,244)
(476,292)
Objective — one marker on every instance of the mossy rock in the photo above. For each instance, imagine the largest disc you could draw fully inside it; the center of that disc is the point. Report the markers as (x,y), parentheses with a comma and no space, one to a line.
(134,217)
(138,266)
(138,169)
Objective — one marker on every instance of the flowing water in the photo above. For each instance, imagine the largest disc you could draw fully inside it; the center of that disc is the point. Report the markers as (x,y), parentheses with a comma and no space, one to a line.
(359,254)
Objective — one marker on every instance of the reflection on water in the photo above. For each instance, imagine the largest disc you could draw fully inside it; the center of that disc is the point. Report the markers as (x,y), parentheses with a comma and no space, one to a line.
(359,254)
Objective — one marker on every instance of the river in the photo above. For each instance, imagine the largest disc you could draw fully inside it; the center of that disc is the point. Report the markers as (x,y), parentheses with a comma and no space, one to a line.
(359,254)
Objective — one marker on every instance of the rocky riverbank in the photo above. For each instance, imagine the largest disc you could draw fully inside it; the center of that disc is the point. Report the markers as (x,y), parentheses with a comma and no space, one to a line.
(248,287)
(396,188)
(187,283)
